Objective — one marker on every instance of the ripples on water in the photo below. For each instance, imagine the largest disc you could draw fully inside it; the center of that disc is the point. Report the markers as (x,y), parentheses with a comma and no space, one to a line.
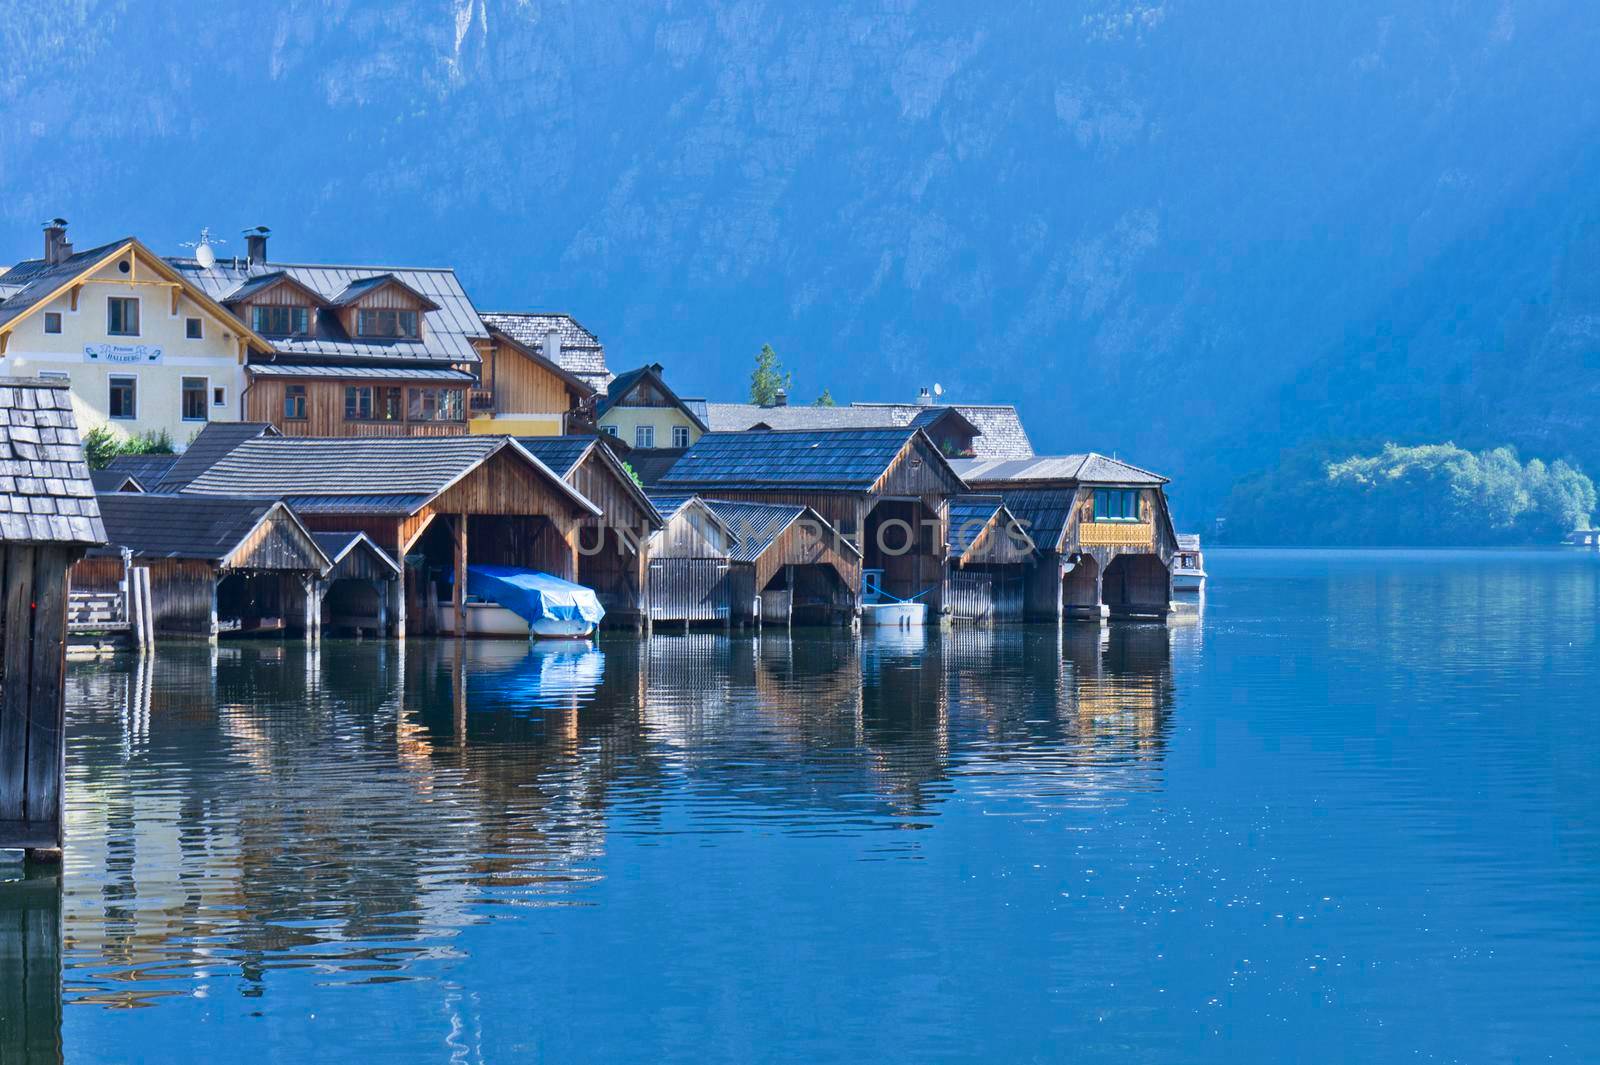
(1347,815)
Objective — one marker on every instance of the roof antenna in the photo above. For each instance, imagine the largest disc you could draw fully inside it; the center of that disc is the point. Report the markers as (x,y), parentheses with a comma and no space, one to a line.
(202,248)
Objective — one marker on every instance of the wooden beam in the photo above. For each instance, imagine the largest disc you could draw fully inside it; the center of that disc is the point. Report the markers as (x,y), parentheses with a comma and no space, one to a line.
(5,341)
(74,295)
(459,600)
(46,753)
(17,563)
(176,292)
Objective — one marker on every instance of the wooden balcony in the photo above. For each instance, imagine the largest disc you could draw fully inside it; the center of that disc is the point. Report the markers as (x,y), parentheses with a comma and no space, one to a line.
(1117,534)
(480,400)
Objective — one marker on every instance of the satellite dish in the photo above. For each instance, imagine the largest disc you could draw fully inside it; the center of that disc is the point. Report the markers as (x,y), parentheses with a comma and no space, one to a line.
(203,253)
(938,389)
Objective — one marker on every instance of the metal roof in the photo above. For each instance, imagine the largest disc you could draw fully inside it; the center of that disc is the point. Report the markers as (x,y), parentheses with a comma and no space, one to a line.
(822,460)
(394,470)
(1042,512)
(624,383)
(447,332)
(33,280)
(46,496)
(153,525)
(669,503)
(1088,468)
(652,464)
(363,285)
(971,514)
(581,352)
(756,525)
(561,453)
(370,373)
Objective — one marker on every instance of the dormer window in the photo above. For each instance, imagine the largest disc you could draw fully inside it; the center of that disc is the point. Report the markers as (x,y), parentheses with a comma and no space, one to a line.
(281,321)
(387,323)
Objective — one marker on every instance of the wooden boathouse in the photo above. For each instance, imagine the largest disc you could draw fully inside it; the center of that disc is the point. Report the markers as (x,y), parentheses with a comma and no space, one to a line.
(48,519)
(361,583)
(611,556)
(689,562)
(992,558)
(1101,525)
(788,565)
(217,564)
(886,490)
(433,505)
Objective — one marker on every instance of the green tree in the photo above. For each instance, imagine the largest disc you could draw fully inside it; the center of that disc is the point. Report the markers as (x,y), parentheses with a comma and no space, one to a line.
(768,378)
(826,399)
(101,444)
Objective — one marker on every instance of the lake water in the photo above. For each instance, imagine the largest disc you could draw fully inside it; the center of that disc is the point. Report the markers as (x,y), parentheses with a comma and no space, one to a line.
(1348,814)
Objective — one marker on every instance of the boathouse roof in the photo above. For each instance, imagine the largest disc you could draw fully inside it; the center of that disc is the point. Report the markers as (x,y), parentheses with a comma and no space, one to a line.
(1087,468)
(110,480)
(340,545)
(366,475)
(756,526)
(581,352)
(973,515)
(46,495)
(148,470)
(652,464)
(565,454)
(212,529)
(830,460)
(211,444)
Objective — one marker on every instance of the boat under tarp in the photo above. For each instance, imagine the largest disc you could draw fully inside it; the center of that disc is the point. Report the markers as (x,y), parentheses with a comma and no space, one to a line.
(549,605)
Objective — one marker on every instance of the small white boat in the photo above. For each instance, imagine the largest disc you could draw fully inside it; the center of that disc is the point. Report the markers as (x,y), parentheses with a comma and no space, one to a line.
(1188,565)
(902,615)
(492,619)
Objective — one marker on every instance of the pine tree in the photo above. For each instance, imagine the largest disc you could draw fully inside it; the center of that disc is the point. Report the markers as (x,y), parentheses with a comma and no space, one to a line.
(768,378)
(826,399)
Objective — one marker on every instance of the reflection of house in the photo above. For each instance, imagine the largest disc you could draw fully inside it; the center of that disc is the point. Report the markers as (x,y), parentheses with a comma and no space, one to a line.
(885,490)
(991,431)
(145,347)
(640,409)
(1102,526)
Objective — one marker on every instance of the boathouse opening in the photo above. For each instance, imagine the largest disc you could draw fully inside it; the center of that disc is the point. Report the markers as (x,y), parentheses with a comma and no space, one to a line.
(902,537)
(1137,585)
(1080,587)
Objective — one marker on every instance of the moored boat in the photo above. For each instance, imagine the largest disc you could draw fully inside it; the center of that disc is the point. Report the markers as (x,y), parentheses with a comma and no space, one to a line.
(1188,565)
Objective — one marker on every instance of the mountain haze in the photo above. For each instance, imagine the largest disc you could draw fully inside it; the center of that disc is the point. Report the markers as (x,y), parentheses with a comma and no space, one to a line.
(1193,234)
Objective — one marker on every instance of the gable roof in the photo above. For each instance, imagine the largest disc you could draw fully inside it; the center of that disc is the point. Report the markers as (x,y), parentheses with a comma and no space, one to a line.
(447,332)
(652,464)
(564,454)
(153,525)
(999,429)
(45,281)
(211,443)
(109,480)
(336,545)
(1087,468)
(148,470)
(46,496)
(756,525)
(253,286)
(369,475)
(821,460)
(670,504)
(358,288)
(573,381)
(581,352)
(1043,512)
(624,384)
(971,514)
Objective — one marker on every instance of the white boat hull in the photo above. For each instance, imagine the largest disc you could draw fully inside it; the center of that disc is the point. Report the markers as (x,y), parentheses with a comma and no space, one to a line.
(1188,581)
(494,620)
(900,615)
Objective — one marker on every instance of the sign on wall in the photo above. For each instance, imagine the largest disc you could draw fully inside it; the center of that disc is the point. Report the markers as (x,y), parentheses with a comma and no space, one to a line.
(122,354)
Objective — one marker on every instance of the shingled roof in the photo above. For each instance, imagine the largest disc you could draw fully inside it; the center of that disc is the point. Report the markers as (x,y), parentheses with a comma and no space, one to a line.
(148,470)
(46,496)
(1001,435)
(756,525)
(1088,468)
(182,526)
(215,440)
(389,475)
(581,351)
(971,514)
(820,460)
(563,454)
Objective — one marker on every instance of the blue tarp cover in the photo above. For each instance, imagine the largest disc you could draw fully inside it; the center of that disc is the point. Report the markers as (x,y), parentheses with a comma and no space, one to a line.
(534,596)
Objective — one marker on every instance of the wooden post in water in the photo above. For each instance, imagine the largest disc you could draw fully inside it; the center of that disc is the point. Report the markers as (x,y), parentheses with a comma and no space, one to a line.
(48,519)
(460,599)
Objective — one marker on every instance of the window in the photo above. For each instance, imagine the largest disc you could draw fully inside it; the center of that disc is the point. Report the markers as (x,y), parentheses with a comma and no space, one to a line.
(122,316)
(124,396)
(385,323)
(391,404)
(219,396)
(294,403)
(52,321)
(358,403)
(610,430)
(192,329)
(644,436)
(1116,504)
(437,405)
(194,399)
(680,436)
(281,321)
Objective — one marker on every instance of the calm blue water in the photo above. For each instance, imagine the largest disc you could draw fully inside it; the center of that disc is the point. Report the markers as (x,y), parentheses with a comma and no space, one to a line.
(1349,814)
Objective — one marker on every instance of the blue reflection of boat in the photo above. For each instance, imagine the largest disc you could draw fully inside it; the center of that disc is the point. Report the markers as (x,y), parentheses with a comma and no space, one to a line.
(546,674)
(507,601)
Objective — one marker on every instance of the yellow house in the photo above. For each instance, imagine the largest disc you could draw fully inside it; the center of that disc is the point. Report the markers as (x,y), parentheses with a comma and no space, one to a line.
(522,393)
(144,350)
(639,409)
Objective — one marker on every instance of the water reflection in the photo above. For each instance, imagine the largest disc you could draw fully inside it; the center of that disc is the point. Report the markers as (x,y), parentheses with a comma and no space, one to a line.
(347,809)
(30,966)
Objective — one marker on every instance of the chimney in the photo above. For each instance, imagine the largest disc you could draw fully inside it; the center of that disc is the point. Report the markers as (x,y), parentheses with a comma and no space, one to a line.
(56,246)
(255,244)
(780,398)
(552,345)
(924,398)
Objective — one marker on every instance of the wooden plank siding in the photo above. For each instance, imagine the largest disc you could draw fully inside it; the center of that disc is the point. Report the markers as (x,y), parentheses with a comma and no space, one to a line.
(520,385)
(33,628)
(263,402)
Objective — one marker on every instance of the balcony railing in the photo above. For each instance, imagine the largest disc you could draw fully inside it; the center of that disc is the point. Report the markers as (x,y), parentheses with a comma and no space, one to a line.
(481,400)
(1116,534)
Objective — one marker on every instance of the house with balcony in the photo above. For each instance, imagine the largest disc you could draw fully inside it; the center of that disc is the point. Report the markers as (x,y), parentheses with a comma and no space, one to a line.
(1101,526)
(144,347)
